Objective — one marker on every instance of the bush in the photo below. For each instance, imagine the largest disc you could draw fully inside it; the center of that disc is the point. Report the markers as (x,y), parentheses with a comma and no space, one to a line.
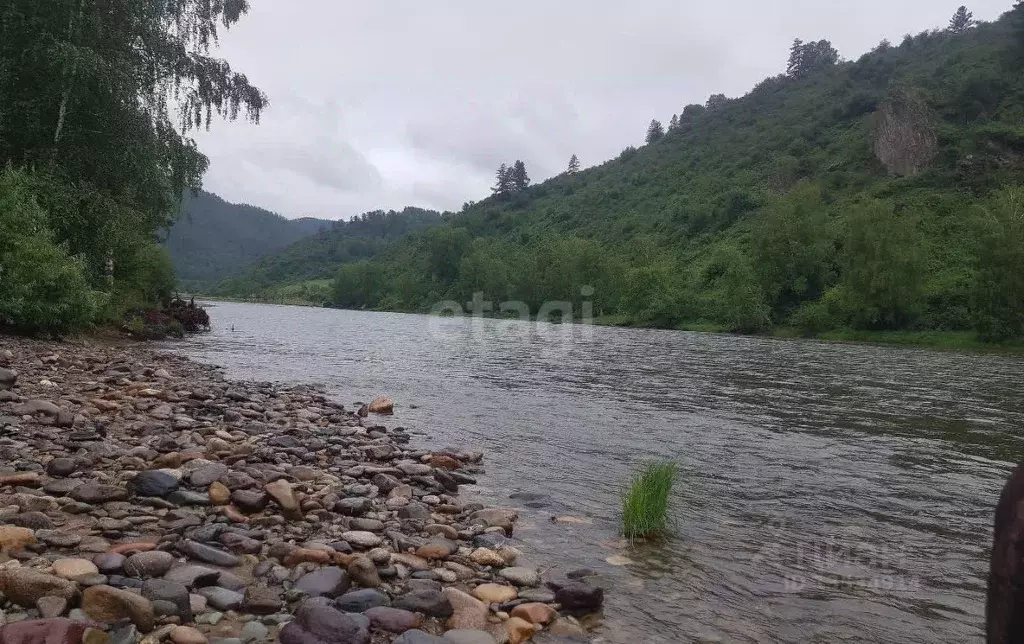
(42,289)
(645,502)
(999,288)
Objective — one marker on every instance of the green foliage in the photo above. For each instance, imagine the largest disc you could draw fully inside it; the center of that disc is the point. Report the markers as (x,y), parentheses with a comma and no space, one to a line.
(358,285)
(655,132)
(961,21)
(882,284)
(645,503)
(42,288)
(808,58)
(999,290)
(315,256)
(731,294)
(793,249)
(87,94)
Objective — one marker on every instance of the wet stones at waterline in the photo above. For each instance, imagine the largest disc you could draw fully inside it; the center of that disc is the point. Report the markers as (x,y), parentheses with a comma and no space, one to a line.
(143,498)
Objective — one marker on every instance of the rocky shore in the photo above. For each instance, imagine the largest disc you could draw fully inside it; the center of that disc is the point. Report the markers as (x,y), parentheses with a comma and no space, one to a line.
(144,498)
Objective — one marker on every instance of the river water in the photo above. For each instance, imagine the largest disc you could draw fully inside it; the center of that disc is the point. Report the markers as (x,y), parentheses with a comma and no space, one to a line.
(829,492)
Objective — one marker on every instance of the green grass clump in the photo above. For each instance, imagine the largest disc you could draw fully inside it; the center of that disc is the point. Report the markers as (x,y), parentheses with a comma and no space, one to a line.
(645,502)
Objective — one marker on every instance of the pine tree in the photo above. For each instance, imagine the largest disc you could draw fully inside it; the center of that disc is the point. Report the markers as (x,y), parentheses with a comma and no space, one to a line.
(805,58)
(503,184)
(673,122)
(716,101)
(655,131)
(796,55)
(574,164)
(520,180)
(961,21)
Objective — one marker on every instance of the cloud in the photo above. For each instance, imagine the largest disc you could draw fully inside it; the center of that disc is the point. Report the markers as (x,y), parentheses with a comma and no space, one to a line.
(389,104)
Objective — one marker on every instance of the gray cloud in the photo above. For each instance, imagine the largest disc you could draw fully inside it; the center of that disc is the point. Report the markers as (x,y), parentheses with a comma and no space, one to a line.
(388,104)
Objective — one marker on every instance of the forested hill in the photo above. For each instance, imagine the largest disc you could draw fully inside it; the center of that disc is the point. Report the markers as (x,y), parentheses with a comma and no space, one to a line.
(880,193)
(213,239)
(317,257)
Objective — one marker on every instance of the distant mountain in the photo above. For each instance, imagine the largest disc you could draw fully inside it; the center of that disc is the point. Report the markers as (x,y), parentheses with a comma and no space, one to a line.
(214,239)
(318,257)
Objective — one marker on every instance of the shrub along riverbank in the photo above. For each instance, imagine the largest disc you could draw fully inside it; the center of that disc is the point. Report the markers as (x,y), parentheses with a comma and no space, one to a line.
(92,168)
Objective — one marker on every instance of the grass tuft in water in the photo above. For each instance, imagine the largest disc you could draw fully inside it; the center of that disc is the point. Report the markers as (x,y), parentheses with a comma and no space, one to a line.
(645,502)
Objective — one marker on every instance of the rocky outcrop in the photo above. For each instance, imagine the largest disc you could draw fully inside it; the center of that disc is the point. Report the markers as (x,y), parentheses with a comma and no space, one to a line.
(905,140)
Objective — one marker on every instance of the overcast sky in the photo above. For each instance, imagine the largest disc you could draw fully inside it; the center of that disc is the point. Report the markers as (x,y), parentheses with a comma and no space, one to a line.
(389,103)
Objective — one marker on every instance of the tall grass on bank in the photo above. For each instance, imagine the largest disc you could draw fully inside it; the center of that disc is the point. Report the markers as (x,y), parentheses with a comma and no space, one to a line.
(645,502)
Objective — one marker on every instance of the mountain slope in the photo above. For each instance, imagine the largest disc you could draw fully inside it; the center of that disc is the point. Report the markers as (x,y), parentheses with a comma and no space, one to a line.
(878,194)
(317,257)
(213,238)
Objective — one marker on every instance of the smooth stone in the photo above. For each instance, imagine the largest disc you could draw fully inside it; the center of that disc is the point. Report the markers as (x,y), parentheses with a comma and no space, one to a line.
(318,623)
(61,467)
(281,491)
(430,602)
(327,582)
(170,591)
(221,598)
(353,506)
(393,620)
(44,631)
(580,597)
(259,600)
(519,630)
(154,483)
(15,537)
(127,634)
(468,612)
(495,593)
(542,595)
(189,497)
(164,608)
(253,632)
(359,601)
(108,604)
(25,586)
(186,635)
(364,572)
(462,636)
(520,576)
(192,576)
(414,510)
(218,493)
(535,613)
(250,500)
(71,568)
(96,493)
(206,475)
(109,562)
(50,606)
(419,637)
(33,520)
(208,554)
(362,538)
(154,563)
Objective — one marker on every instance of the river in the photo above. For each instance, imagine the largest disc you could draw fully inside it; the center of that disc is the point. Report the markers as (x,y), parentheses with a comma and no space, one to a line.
(829,492)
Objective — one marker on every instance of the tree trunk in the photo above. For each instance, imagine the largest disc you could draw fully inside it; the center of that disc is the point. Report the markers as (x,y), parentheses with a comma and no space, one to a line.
(66,94)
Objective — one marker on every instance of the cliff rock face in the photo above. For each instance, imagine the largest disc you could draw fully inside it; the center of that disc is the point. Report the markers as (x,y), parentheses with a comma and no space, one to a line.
(905,141)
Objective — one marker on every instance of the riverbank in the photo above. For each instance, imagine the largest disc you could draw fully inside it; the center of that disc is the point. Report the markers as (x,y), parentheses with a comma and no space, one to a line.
(966,341)
(147,496)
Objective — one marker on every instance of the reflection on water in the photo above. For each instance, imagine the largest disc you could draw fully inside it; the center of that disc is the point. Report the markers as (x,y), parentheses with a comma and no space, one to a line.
(830,492)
